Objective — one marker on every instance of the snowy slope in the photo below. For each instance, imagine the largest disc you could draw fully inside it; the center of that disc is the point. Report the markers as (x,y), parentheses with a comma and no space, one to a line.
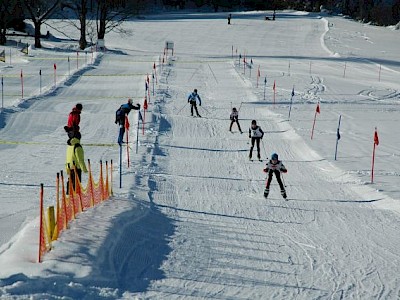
(190,220)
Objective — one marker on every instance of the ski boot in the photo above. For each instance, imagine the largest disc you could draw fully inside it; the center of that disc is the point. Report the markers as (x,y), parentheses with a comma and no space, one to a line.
(266,192)
(259,157)
(283,193)
(250,156)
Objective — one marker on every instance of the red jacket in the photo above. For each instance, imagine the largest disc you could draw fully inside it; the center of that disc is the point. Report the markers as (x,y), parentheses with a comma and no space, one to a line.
(74,118)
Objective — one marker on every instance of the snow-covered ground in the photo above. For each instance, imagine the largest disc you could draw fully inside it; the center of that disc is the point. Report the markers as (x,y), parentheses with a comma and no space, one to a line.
(190,221)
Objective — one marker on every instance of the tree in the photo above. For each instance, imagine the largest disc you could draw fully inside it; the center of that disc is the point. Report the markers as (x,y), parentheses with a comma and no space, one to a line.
(39,11)
(109,15)
(80,10)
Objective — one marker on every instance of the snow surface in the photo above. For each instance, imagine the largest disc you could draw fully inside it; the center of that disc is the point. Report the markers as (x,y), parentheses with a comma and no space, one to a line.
(190,221)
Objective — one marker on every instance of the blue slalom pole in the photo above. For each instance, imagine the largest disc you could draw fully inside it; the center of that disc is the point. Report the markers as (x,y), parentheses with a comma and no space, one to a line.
(291,101)
(2,93)
(120,166)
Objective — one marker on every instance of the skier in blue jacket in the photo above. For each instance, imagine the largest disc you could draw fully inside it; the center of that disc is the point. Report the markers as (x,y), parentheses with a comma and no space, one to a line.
(192,99)
(120,115)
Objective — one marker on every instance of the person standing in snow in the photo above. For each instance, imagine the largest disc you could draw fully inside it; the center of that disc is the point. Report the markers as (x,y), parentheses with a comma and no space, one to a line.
(255,134)
(74,118)
(120,115)
(75,159)
(234,118)
(275,166)
(192,99)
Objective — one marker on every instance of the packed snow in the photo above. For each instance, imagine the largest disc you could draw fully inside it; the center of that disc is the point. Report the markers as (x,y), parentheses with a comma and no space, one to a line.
(190,220)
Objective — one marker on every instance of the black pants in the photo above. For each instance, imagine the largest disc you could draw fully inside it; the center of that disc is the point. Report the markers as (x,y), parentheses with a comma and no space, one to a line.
(278,178)
(193,105)
(255,140)
(72,177)
(237,122)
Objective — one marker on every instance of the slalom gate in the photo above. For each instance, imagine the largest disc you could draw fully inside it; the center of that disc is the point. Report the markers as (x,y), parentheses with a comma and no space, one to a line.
(68,205)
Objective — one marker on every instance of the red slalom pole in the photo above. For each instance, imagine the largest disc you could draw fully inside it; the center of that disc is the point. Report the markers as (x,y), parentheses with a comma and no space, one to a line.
(376,143)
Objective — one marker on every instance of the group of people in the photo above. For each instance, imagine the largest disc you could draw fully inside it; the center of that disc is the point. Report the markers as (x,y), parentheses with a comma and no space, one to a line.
(75,158)
(274,165)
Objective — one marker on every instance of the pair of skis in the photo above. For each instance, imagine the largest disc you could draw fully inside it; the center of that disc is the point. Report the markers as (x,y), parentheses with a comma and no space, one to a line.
(283,193)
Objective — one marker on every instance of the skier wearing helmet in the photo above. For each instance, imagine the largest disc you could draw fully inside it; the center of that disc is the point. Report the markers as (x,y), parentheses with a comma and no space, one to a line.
(192,100)
(256,134)
(275,166)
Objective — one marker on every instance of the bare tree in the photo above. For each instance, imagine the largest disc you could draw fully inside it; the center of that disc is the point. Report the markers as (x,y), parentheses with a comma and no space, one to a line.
(39,11)
(110,14)
(79,8)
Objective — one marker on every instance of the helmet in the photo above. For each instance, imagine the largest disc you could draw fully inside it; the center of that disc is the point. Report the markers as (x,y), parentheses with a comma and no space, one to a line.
(130,101)
(195,90)
(274,156)
(78,106)
(254,122)
(234,109)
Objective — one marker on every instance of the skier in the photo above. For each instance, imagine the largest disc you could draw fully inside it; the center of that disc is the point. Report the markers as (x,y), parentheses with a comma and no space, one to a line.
(120,117)
(192,100)
(275,166)
(74,118)
(256,134)
(234,118)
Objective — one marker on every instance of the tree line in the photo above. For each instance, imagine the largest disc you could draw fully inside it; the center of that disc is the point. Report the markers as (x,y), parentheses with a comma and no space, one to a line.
(95,18)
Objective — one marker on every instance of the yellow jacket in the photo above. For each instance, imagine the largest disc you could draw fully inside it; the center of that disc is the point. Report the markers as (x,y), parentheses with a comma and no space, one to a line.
(75,156)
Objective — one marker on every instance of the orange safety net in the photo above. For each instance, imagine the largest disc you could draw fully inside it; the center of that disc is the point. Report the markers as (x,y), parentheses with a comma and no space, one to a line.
(71,204)
(44,234)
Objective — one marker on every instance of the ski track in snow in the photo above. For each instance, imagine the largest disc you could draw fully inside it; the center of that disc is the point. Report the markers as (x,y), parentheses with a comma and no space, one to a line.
(194,223)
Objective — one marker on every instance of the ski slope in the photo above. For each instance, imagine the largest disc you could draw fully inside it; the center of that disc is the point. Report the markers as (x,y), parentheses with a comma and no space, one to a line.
(190,221)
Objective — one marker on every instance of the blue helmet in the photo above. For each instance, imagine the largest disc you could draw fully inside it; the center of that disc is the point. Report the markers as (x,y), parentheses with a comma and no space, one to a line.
(274,156)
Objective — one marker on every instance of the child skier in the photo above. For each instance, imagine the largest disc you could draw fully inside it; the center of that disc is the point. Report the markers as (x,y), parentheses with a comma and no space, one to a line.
(234,118)
(255,134)
(275,166)
(192,100)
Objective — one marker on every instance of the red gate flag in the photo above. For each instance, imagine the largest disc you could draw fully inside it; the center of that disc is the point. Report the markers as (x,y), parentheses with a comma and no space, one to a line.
(317,109)
(376,143)
(376,138)
(145,103)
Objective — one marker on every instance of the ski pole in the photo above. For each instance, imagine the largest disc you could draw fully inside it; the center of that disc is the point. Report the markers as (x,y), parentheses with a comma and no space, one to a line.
(205,110)
(283,180)
(182,108)
(265,151)
(240,106)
